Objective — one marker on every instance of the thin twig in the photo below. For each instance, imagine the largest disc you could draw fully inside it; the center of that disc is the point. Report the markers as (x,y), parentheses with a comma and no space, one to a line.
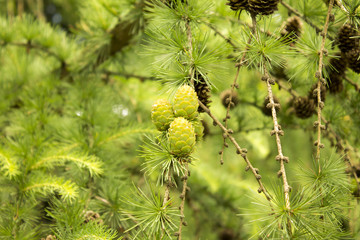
(168,186)
(233,86)
(183,196)
(345,150)
(190,49)
(227,39)
(278,132)
(277,128)
(239,150)
(288,89)
(318,75)
(356,86)
(307,20)
(329,129)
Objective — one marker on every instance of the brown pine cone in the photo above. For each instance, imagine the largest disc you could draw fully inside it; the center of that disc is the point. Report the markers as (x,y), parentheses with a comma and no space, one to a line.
(237,5)
(338,65)
(263,7)
(304,107)
(225,98)
(336,72)
(345,38)
(313,93)
(292,29)
(335,84)
(266,109)
(203,92)
(354,60)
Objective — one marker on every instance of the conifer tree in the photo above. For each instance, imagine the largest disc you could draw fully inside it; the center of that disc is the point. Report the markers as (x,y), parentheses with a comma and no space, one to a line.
(135,119)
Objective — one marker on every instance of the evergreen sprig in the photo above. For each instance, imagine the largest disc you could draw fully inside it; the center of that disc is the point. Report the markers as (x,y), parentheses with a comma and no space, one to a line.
(152,218)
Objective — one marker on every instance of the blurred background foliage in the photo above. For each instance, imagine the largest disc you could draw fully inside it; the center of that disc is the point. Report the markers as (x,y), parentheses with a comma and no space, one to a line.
(77,84)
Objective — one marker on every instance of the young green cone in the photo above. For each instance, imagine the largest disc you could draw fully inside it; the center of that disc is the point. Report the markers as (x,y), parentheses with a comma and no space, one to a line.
(181,137)
(162,114)
(186,103)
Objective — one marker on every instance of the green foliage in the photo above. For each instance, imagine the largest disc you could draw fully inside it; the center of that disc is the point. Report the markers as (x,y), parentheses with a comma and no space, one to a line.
(154,219)
(70,223)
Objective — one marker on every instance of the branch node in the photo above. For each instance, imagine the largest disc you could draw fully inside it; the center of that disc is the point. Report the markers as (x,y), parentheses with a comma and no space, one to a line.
(279,173)
(260,190)
(264,78)
(247,168)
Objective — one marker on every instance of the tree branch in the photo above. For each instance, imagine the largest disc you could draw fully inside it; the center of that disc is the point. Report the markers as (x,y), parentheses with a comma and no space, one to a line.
(318,75)
(277,128)
(307,20)
(239,150)
(182,196)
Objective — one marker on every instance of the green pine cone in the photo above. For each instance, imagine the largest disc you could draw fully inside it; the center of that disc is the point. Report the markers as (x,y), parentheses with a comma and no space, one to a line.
(162,114)
(181,137)
(186,103)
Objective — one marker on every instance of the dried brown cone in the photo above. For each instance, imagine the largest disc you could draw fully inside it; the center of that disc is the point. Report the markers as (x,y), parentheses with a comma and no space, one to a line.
(304,107)
(313,93)
(203,92)
(278,71)
(345,38)
(336,72)
(225,98)
(292,29)
(338,65)
(237,5)
(263,7)
(335,84)
(353,60)
(92,216)
(266,109)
